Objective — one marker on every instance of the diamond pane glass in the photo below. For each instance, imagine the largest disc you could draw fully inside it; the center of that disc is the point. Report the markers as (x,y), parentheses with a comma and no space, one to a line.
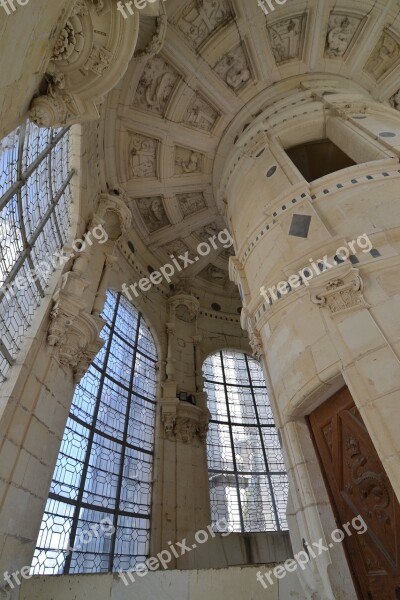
(97,517)
(35,200)
(247,478)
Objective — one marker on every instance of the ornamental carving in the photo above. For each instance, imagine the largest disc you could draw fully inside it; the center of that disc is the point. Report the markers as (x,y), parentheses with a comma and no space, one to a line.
(200,114)
(185,306)
(395,100)
(88,59)
(384,57)
(191,203)
(287,38)
(185,423)
(342,293)
(234,69)
(187,161)
(156,86)
(200,18)
(73,333)
(153,213)
(341,30)
(157,41)
(143,156)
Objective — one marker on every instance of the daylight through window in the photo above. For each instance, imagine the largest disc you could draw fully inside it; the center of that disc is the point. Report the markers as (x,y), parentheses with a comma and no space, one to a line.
(97,517)
(35,200)
(247,478)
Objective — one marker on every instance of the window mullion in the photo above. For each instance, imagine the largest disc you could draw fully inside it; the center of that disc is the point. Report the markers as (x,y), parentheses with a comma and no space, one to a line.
(268,475)
(233,445)
(123,449)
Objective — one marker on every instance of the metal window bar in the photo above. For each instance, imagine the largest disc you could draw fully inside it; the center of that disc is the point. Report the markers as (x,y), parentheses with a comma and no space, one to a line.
(257,426)
(93,429)
(13,197)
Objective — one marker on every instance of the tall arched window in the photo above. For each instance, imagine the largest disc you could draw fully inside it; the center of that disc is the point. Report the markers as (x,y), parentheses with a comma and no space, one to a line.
(97,517)
(35,199)
(247,478)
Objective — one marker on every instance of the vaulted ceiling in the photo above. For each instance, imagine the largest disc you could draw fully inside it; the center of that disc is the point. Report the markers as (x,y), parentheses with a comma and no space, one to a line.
(163,124)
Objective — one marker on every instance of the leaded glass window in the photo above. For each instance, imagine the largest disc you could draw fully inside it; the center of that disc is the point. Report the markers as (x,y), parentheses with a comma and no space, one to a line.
(97,517)
(247,478)
(35,200)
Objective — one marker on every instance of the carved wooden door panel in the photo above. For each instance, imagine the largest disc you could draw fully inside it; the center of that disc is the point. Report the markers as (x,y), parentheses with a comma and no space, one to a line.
(358,485)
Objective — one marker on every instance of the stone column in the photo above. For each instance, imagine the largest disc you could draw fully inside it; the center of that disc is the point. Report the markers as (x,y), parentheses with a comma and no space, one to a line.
(339,325)
(182,497)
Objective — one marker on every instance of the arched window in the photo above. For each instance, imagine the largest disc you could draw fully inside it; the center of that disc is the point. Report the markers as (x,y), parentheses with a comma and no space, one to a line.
(35,200)
(97,516)
(247,478)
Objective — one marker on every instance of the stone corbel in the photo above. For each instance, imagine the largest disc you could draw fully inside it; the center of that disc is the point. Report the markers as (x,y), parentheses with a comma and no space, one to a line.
(73,332)
(342,293)
(113,213)
(182,421)
(89,58)
(157,41)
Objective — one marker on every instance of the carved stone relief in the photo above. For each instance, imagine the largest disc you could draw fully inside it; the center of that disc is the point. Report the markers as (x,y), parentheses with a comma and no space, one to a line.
(191,203)
(88,59)
(200,114)
(286,38)
(153,213)
(342,294)
(156,85)
(341,30)
(143,156)
(395,100)
(234,69)
(187,161)
(205,233)
(177,248)
(384,57)
(214,274)
(200,18)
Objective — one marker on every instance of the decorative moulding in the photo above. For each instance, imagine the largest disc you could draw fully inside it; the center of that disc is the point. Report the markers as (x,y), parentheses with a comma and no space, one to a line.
(89,58)
(341,293)
(73,333)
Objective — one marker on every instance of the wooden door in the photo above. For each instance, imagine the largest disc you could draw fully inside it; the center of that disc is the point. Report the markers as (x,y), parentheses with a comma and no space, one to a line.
(358,485)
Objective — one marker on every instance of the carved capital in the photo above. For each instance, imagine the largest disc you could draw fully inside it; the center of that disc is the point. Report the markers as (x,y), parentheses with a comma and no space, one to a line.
(73,333)
(185,307)
(343,293)
(184,422)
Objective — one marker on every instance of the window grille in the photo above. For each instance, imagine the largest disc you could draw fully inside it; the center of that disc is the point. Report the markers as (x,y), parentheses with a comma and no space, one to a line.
(97,517)
(247,478)
(35,200)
